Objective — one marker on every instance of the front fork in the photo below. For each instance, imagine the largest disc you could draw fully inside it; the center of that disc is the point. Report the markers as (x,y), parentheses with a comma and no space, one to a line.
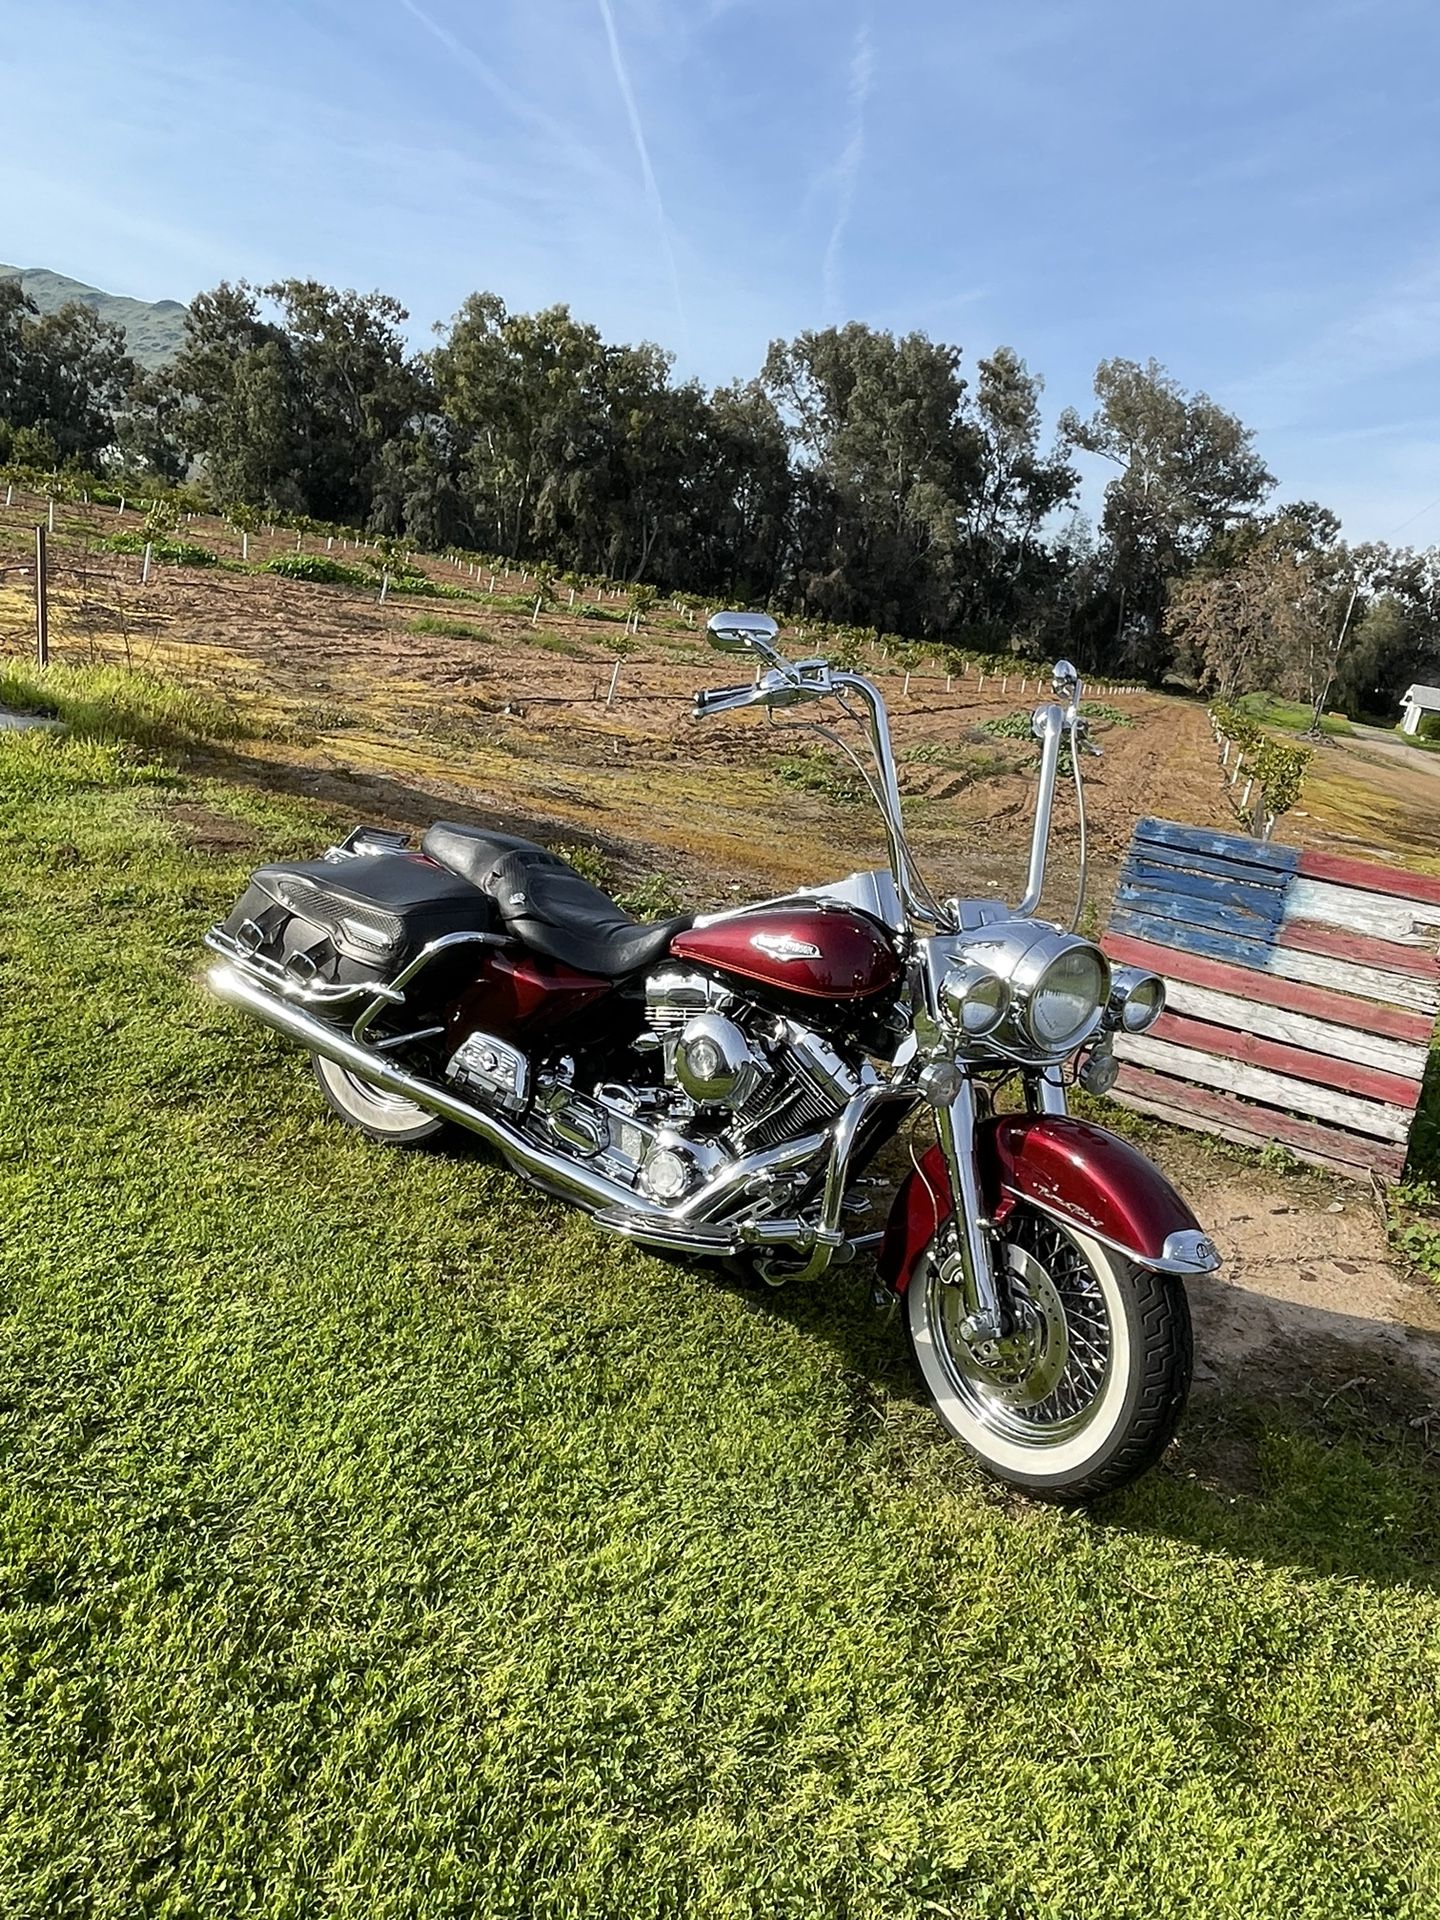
(988,1309)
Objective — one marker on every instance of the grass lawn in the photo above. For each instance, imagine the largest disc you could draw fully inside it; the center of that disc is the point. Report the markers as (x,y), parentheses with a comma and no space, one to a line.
(1292,715)
(378,1539)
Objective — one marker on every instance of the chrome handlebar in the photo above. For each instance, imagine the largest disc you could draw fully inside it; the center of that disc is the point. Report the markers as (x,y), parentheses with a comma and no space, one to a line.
(788,683)
(724,700)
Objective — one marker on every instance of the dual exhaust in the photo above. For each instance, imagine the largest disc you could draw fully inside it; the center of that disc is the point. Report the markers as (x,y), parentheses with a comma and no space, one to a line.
(692,1227)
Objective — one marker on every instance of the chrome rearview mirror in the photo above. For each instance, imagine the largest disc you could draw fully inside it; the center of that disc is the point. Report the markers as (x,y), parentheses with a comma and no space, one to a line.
(743,633)
(1065,681)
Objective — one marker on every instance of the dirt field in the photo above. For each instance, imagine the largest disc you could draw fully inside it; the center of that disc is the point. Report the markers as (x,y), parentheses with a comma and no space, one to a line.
(398,712)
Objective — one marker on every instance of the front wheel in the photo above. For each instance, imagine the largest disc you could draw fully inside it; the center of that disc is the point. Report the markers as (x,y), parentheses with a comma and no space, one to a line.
(1084,1395)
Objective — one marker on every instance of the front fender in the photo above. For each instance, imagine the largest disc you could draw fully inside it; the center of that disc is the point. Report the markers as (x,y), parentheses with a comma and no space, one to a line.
(1081,1175)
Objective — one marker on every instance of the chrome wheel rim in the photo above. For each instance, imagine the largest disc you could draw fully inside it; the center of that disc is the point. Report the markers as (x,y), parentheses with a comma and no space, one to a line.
(1045,1383)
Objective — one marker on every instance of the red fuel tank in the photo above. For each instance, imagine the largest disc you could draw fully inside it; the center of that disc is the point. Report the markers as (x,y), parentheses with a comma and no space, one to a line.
(824,953)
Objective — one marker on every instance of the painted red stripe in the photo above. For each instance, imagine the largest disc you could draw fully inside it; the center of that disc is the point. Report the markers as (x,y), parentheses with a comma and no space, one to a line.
(1320,1069)
(1374,879)
(1322,1003)
(1209,1111)
(1363,949)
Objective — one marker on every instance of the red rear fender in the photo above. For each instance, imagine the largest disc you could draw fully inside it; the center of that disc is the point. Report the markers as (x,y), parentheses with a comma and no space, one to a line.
(1079,1174)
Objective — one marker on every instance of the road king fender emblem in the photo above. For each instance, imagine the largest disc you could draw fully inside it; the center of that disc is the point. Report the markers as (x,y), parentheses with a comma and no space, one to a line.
(784,946)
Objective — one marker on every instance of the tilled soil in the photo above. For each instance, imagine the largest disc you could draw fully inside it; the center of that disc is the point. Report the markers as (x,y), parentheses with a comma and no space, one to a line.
(398,712)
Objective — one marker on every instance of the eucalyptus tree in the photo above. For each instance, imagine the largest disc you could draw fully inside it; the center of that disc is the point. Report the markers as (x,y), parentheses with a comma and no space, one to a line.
(1009,574)
(887,463)
(524,394)
(357,391)
(1188,474)
(240,389)
(65,377)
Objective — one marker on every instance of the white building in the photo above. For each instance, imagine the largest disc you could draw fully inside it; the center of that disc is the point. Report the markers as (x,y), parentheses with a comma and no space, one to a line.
(1418,702)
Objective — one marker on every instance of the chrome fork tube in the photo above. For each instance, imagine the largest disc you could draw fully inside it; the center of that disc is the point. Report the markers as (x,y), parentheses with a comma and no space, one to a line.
(955,1124)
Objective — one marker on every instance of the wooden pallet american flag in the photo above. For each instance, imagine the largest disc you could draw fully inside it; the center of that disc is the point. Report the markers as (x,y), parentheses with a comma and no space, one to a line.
(1302,991)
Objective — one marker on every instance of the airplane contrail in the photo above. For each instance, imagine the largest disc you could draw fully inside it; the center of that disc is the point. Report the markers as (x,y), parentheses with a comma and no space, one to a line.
(515,102)
(652,185)
(847,173)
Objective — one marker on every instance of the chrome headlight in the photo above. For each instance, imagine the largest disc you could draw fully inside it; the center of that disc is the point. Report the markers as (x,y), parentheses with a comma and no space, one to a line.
(1055,984)
(1071,989)
(974,999)
(1137,999)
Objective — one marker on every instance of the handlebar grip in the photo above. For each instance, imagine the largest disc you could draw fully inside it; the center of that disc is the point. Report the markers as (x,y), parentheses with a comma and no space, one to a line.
(714,698)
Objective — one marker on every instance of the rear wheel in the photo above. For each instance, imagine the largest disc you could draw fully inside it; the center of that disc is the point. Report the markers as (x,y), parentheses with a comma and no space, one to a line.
(1086,1393)
(377,1114)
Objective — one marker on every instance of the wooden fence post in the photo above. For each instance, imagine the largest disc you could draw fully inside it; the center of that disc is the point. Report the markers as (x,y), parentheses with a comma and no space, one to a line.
(42,603)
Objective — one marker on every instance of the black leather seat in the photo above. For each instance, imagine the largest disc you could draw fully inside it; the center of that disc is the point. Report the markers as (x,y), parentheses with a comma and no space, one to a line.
(475,852)
(546,904)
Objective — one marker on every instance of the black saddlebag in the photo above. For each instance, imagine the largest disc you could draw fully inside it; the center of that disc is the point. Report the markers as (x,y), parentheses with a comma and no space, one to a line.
(352,920)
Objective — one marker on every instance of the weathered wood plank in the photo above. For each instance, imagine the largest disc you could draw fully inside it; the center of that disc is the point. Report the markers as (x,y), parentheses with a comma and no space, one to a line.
(1207,1112)
(1225,846)
(1362,948)
(1269,989)
(1297,1029)
(1183,860)
(1370,876)
(1407,922)
(1191,911)
(1344,976)
(1344,1076)
(1171,933)
(1271,1089)
(1174,883)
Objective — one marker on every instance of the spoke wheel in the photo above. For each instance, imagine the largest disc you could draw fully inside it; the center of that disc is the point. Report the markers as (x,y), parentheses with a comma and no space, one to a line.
(379,1115)
(1084,1394)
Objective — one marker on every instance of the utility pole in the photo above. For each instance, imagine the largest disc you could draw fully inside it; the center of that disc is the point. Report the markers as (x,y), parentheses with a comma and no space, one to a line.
(1313,730)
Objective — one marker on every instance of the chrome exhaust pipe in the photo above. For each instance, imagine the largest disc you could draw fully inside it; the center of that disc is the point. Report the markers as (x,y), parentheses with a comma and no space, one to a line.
(556,1173)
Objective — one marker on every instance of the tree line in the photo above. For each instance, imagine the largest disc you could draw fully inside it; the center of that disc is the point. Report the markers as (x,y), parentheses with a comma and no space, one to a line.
(860,477)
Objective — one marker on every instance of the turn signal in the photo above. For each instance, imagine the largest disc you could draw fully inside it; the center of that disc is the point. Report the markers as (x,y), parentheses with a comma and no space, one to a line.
(1137,999)
(974,999)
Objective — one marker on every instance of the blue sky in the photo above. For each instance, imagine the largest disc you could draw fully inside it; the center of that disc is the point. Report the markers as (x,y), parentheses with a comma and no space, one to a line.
(1246,191)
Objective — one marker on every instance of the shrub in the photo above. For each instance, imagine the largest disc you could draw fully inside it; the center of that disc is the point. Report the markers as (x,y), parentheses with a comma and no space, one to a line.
(1429,728)
(170,553)
(655,897)
(445,629)
(1278,770)
(318,568)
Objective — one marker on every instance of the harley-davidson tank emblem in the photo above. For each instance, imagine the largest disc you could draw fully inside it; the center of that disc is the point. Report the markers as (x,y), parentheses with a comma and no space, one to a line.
(784,946)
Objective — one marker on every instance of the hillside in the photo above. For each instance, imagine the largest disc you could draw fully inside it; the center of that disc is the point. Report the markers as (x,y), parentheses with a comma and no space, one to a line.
(153,328)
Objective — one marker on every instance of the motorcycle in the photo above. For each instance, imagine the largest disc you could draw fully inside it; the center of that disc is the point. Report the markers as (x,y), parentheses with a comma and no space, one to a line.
(716,1085)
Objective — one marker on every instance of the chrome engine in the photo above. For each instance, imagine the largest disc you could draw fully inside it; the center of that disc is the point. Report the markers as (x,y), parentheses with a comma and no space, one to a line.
(753,1076)
(734,1079)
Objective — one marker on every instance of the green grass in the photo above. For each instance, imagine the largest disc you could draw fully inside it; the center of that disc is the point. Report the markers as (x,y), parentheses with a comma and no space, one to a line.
(114,703)
(1416,740)
(379,1539)
(433,624)
(1291,715)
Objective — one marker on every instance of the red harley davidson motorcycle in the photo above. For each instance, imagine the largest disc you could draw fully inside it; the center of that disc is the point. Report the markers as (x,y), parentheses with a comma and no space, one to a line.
(716,1085)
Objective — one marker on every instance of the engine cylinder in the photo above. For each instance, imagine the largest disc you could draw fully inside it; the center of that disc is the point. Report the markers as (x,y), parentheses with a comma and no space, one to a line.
(715,1064)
